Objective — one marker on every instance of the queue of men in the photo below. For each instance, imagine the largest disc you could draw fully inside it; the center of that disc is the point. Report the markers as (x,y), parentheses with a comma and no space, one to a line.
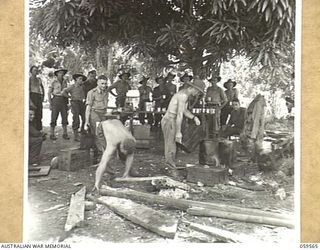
(89,98)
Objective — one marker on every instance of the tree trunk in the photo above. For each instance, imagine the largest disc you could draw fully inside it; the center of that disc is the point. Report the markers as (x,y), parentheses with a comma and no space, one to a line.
(183,204)
(240,217)
(109,63)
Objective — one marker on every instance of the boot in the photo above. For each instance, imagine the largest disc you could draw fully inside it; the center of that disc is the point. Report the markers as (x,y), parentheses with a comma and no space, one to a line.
(76,135)
(65,133)
(52,135)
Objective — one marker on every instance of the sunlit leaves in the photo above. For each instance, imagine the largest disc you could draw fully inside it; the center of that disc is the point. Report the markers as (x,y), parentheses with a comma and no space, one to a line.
(181,28)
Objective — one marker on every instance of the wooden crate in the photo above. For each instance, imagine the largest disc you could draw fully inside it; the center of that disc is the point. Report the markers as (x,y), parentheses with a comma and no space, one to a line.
(207,176)
(141,131)
(72,159)
(142,135)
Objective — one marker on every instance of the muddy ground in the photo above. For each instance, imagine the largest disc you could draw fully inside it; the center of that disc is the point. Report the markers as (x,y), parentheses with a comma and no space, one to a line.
(102,225)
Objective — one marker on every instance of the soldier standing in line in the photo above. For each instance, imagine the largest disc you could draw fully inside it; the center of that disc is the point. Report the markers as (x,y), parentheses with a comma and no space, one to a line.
(231,93)
(78,107)
(122,86)
(145,92)
(90,83)
(58,103)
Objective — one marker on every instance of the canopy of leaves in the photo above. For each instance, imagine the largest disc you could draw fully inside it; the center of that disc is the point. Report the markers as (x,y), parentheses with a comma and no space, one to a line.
(198,33)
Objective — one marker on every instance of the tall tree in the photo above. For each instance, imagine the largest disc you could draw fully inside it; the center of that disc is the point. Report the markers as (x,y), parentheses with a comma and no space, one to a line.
(197,33)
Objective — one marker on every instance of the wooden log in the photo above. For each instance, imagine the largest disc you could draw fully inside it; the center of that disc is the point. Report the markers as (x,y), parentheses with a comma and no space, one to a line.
(76,210)
(142,215)
(222,234)
(182,204)
(240,217)
(162,181)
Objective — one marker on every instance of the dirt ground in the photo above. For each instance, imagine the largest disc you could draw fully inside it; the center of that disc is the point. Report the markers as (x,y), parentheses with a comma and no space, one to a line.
(102,225)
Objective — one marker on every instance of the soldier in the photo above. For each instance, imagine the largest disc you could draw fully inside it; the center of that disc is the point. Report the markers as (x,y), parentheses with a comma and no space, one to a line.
(117,138)
(145,92)
(90,83)
(159,95)
(97,102)
(78,107)
(231,93)
(122,86)
(236,122)
(58,103)
(215,98)
(36,96)
(172,120)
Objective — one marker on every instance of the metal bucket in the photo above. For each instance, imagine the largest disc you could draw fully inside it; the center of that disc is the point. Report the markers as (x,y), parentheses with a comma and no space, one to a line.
(209,153)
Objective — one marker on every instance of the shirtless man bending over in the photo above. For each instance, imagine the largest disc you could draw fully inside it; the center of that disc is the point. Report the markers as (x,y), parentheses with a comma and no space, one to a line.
(119,139)
(171,122)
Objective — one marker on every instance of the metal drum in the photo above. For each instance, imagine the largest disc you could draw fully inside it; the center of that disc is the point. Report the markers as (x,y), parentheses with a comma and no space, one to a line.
(209,153)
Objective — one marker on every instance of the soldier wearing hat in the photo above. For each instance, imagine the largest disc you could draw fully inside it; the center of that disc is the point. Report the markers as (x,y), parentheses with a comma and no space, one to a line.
(90,83)
(231,93)
(172,120)
(159,95)
(215,98)
(122,86)
(145,92)
(58,103)
(78,107)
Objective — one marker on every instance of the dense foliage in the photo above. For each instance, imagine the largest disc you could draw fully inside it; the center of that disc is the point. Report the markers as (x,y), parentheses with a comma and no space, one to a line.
(199,34)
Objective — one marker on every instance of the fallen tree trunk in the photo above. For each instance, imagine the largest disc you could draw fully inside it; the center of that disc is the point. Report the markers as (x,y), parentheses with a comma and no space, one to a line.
(144,216)
(240,217)
(222,234)
(183,204)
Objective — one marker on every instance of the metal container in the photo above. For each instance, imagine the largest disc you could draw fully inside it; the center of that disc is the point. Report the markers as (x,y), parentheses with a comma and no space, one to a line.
(209,153)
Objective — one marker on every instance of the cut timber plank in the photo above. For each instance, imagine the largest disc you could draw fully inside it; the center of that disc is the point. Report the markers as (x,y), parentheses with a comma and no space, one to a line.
(222,234)
(142,215)
(157,180)
(76,210)
(182,204)
(39,171)
(240,217)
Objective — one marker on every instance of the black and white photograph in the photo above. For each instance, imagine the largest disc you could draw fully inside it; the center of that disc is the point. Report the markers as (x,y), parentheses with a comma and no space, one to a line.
(162,121)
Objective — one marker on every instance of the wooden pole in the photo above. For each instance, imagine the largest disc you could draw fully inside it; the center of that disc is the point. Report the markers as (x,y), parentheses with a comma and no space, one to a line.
(240,217)
(183,204)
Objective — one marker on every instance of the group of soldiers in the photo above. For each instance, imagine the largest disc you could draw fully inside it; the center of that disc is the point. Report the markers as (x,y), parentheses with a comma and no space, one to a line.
(89,97)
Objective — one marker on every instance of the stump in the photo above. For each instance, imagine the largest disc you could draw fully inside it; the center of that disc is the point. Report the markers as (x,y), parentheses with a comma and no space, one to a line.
(207,176)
